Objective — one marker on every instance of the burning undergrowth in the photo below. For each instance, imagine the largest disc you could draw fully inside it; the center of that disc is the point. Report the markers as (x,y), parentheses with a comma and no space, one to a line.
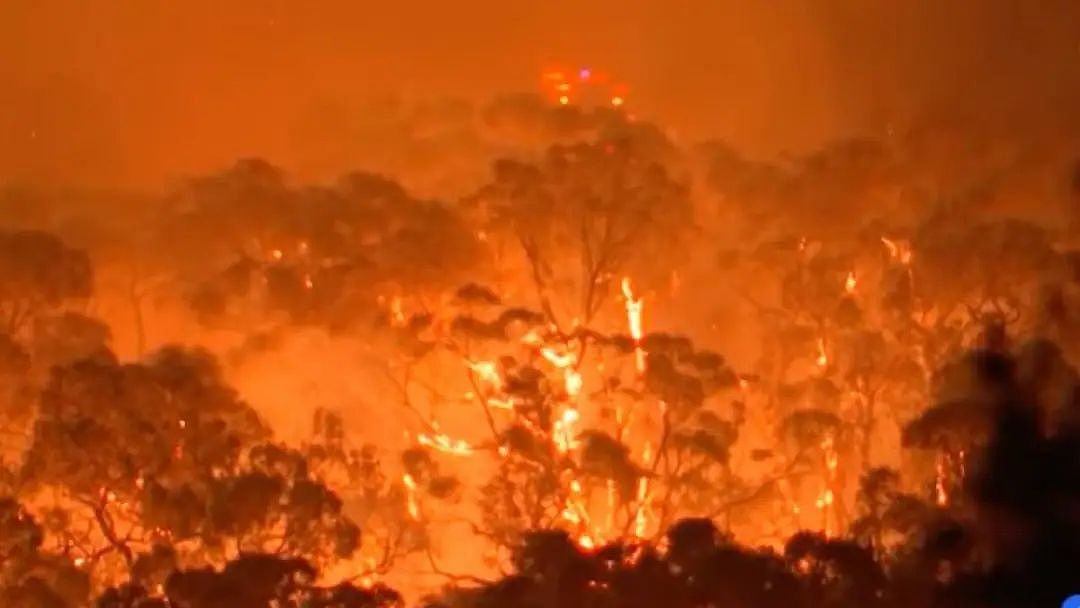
(599,375)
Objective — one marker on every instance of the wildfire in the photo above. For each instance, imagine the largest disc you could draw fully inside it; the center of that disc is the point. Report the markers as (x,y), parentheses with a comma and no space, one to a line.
(410,496)
(822,357)
(898,250)
(560,361)
(634,308)
(827,497)
(488,371)
(575,513)
(563,433)
(941,494)
(397,313)
(444,443)
(572,379)
(850,283)
(585,85)
(532,338)
(642,513)
(501,404)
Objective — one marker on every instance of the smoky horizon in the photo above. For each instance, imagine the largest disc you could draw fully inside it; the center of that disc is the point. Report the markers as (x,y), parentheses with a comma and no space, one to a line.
(339,304)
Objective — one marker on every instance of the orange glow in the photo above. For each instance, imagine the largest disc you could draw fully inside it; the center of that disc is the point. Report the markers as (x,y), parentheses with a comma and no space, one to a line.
(642,512)
(410,496)
(899,251)
(487,371)
(443,443)
(572,380)
(563,430)
(397,313)
(941,494)
(827,497)
(822,359)
(561,361)
(501,404)
(634,308)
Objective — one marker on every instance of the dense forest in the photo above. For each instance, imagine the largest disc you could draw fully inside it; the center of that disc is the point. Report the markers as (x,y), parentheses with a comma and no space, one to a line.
(550,356)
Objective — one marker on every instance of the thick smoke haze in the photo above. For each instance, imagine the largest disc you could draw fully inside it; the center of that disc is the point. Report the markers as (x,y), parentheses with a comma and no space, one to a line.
(138,93)
(505,303)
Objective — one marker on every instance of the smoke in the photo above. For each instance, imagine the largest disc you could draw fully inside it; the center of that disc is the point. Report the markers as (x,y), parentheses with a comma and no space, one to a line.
(136,94)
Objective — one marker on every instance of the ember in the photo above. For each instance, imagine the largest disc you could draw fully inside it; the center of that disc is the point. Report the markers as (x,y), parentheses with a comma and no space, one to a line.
(435,341)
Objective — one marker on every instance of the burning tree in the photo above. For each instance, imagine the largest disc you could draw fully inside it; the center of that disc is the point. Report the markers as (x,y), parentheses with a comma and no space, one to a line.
(319,255)
(581,218)
(602,433)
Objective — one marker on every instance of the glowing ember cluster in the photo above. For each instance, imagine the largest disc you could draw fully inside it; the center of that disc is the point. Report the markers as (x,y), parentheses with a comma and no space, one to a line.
(591,521)
(583,86)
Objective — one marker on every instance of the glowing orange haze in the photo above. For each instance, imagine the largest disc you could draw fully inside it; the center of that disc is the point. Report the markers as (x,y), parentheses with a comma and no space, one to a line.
(138,92)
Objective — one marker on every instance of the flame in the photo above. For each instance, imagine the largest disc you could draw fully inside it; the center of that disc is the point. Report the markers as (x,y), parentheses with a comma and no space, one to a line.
(531,338)
(572,380)
(277,254)
(822,357)
(575,512)
(410,496)
(643,510)
(397,314)
(611,496)
(634,308)
(563,433)
(559,361)
(308,283)
(488,371)
(898,250)
(502,404)
(444,443)
(827,497)
(850,283)
(941,494)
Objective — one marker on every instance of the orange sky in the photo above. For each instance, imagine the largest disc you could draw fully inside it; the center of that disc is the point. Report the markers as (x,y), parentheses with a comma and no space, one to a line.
(138,91)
